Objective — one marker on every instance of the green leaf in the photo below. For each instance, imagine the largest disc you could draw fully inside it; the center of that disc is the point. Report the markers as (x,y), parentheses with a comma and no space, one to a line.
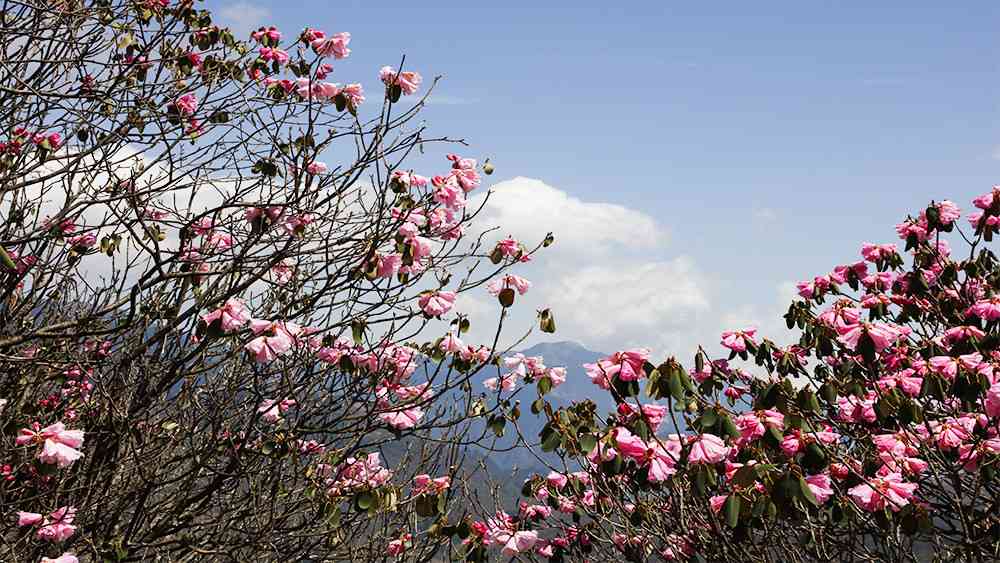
(364,501)
(537,405)
(708,419)
(497,425)
(588,442)
(732,510)
(544,386)
(550,439)
(807,492)
(5,259)
(675,385)
(358,330)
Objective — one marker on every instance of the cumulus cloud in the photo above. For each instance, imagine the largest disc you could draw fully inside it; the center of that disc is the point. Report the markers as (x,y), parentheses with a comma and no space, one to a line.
(610,278)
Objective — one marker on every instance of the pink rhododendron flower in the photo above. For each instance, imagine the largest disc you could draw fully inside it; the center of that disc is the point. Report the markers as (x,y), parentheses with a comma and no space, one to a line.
(270,35)
(354,93)
(398,546)
(271,410)
(509,281)
(519,542)
(274,338)
(437,303)
(186,105)
(334,46)
(273,54)
(315,168)
(707,448)
(82,242)
(59,446)
(66,557)
(56,527)
(736,340)
(556,376)
(820,487)
(889,490)
(231,316)
(402,419)
(408,81)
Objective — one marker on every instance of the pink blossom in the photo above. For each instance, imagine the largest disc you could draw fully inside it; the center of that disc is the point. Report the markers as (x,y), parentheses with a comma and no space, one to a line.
(273,54)
(56,527)
(316,168)
(271,410)
(736,340)
(402,419)
(856,409)
(556,376)
(231,316)
(82,242)
(820,487)
(889,489)
(186,105)
(335,45)
(993,400)
(556,479)
(509,281)
(270,35)
(707,448)
(407,81)
(437,303)
(519,542)
(66,557)
(274,338)
(354,93)
(59,446)
(948,212)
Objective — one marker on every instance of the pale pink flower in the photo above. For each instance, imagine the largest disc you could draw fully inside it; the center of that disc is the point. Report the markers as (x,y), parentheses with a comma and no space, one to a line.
(402,419)
(271,410)
(59,446)
(354,94)
(316,168)
(437,303)
(408,81)
(231,316)
(66,557)
(509,281)
(519,542)
(888,490)
(335,45)
(707,448)
(820,487)
(736,340)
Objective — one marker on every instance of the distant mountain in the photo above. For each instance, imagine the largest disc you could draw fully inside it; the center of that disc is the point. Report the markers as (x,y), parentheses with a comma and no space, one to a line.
(572,356)
(519,462)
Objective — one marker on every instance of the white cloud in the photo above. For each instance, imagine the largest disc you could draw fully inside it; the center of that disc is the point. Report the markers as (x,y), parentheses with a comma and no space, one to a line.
(244,17)
(609,278)
(529,208)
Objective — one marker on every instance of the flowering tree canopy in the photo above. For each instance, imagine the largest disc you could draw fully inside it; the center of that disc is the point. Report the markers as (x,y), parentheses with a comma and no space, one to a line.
(874,437)
(228,320)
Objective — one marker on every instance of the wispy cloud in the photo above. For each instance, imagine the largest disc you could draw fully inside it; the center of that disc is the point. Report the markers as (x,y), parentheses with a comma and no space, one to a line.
(243,17)
(444,100)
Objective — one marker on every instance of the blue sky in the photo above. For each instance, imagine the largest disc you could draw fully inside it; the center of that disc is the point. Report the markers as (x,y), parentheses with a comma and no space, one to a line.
(766,140)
